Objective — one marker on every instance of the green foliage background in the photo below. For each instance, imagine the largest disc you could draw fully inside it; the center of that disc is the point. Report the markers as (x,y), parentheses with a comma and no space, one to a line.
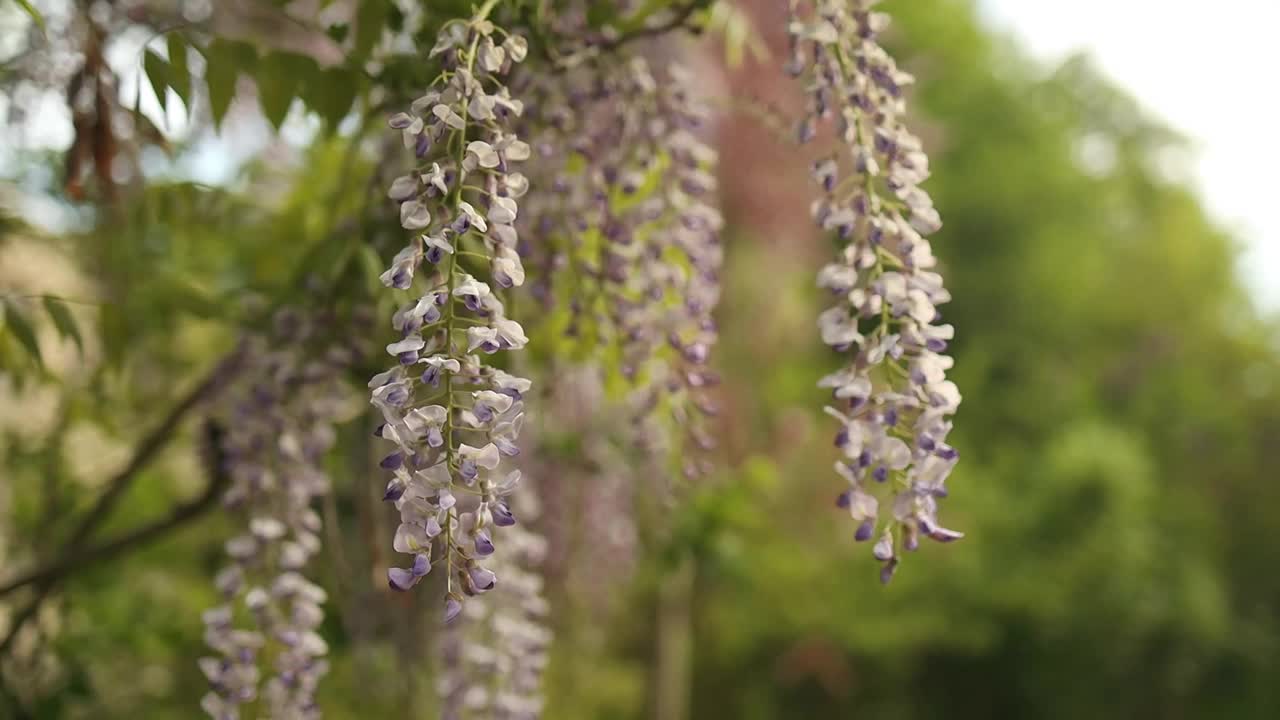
(1118,436)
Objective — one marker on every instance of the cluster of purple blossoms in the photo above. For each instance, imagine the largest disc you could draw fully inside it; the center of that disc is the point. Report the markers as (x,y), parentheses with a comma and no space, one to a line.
(278,427)
(452,416)
(893,400)
(634,221)
(494,657)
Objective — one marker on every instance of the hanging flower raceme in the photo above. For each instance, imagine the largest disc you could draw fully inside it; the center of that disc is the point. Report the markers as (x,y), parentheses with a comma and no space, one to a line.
(278,427)
(451,416)
(494,657)
(893,401)
(633,222)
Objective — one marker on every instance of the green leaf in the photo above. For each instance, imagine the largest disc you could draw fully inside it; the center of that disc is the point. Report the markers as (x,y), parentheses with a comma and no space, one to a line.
(63,320)
(281,78)
(21,330)
(224,60)
(369,22)
(331,94)
(157,69)
(180,77)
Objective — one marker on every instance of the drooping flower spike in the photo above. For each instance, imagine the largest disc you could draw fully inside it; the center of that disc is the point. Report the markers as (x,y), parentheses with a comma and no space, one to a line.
(493,657)
(277,428)
(892,401)
(633,225)
(450,416)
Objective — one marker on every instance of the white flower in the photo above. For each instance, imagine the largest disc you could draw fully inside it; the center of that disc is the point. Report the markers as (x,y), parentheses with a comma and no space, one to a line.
(503,211)
(838,327)
(476,220)
(435,178)
(510,334)
(491,56)
(484,154)
(403,187)
(517,48)
(449,117)
(486,457)
(414,215)
(507,268)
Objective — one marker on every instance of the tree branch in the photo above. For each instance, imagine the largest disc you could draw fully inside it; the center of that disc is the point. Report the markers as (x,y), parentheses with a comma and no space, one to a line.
(66,565)
(151,444)
(678,19)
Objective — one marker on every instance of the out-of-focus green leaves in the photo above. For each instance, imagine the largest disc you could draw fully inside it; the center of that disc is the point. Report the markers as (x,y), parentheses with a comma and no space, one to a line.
(224,61)
(63,321)
(180,73)
(370,20)
(158,74)
(20,329)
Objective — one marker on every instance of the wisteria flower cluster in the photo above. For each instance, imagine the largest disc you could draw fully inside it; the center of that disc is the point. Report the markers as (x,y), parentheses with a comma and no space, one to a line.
(634,224)
(494,657)
(618,219)
(277,430)
(451,415)
(893,401)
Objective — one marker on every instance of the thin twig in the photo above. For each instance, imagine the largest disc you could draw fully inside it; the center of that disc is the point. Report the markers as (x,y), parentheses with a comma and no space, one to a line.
(679,19)
(66,565)
(147,449)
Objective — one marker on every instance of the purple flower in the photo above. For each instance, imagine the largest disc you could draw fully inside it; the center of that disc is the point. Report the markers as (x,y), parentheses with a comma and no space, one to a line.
(482,579)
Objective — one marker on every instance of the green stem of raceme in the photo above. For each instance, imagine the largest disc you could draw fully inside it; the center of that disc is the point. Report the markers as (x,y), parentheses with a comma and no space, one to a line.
(449,313)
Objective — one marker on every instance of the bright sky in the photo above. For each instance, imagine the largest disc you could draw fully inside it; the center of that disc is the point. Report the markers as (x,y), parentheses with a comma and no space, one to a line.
(1205,68)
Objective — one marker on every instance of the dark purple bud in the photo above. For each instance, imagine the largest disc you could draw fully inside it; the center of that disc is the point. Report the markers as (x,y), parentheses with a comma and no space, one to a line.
(377,432)
(891,417)
(502,516)
(844,499)
(842,437)
(435,438)
(482,579)
(887,570)
(864,459)
(926,443)
(434,254)
(467,469)
(421,565)
(865,529)
(484,546)
(398,395)
(401,579)
(696,353)
(452,607)
(946,452)
(881,473)
(392,461)
(394,490)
